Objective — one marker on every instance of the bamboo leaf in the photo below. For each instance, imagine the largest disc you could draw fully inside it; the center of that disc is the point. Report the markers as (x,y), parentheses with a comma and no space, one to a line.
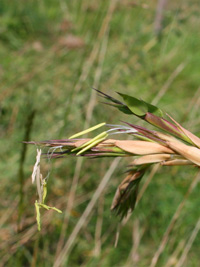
(125,110)
(140,107)
(137,106)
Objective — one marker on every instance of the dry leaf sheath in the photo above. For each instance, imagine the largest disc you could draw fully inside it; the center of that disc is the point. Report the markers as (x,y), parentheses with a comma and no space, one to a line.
(173,145)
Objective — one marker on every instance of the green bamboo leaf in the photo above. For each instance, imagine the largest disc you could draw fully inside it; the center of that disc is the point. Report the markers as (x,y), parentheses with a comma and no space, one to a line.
(125,110)
(154,110)
(140,107)
(121,108)
(137,106)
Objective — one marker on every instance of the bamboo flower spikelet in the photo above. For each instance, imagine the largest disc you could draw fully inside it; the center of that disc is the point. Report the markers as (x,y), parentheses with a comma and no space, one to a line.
(170,145)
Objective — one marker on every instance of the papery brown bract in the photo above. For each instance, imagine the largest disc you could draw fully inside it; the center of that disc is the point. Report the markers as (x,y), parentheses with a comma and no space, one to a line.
(126,194)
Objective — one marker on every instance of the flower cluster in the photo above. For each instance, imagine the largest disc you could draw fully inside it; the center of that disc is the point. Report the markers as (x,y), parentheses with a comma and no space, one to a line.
(173,145)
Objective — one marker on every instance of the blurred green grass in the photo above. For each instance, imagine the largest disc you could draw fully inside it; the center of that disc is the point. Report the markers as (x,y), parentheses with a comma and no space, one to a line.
(40,69)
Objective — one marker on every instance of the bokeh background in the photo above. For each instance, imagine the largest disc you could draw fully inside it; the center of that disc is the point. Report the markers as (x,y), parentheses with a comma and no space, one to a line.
(52,53)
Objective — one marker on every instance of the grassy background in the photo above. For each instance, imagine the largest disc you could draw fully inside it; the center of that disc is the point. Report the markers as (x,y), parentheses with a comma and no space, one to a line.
(52,53)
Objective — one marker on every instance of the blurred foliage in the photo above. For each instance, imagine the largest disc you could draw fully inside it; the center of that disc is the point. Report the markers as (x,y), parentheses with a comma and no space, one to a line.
(45,46)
